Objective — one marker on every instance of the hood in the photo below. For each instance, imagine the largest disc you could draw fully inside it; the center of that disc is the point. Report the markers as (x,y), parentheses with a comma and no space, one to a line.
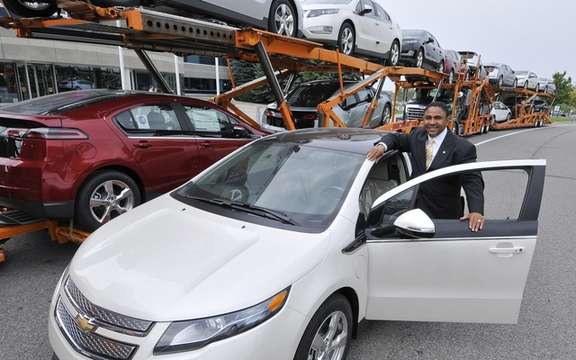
(166,261)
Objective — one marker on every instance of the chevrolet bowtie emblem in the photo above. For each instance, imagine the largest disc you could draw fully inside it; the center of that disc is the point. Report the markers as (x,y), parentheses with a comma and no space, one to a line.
(85,323)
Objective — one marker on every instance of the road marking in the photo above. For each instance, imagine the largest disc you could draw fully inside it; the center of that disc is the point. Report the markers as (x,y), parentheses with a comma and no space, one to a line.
(503,136)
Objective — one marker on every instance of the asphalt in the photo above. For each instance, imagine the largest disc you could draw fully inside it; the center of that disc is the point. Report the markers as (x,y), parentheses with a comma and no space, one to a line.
(547,324)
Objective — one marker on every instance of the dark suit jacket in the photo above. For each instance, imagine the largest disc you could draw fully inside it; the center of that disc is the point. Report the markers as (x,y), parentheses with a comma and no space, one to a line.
(440,199)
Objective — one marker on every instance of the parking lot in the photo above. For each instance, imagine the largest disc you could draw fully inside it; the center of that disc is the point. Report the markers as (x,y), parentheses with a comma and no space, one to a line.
(545,330)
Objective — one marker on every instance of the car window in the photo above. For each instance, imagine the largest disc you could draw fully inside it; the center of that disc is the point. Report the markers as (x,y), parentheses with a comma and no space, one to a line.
(311,95)
(513,182)
(149,117)
(382,14)
(209,120)
(364,95)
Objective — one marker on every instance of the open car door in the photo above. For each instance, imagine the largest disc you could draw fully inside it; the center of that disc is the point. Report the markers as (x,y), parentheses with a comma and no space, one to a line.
(423,269)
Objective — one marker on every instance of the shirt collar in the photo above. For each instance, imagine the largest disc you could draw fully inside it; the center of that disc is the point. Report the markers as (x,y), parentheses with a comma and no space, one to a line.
(440,138)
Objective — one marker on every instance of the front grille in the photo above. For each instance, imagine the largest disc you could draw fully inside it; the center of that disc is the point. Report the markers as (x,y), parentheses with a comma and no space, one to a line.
(90,344)
(106,318)
(415,113)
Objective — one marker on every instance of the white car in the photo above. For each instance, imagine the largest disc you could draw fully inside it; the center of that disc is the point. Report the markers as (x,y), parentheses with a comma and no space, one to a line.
(500,112)
(280,249)
(527,80)
(355,26)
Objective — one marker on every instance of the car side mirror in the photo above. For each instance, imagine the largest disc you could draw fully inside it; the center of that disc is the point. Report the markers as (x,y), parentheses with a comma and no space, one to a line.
(366,10)
(416,224)
(240,132)
(429,41)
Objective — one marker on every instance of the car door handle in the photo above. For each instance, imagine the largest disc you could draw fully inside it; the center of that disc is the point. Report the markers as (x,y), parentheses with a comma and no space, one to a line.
(205,144)
(507,252)
(143,144)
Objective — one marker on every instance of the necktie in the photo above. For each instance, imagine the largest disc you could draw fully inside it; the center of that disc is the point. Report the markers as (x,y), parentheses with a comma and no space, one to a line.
(429,152)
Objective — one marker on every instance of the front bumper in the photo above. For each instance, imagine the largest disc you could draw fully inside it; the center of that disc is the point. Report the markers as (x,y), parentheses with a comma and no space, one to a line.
(277,338)
(324,28)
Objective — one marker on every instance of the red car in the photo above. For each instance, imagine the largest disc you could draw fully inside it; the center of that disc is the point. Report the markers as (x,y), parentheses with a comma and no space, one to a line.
(452,64)
(94,154)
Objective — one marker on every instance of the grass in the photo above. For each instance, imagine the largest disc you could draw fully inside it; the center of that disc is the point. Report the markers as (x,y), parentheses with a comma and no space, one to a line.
(561,119)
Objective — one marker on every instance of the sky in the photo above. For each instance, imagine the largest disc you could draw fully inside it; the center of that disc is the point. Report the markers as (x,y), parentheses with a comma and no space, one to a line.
(536,35)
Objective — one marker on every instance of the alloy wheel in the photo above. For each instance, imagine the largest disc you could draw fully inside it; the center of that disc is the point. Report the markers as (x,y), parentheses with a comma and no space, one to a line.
(394,54)
(331,339)
(284,20)
(110,199)
(501,82)
(347,42)
(420,58)
(441,67)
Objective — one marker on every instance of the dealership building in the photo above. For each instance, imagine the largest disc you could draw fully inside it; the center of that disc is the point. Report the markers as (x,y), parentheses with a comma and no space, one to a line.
(31,68)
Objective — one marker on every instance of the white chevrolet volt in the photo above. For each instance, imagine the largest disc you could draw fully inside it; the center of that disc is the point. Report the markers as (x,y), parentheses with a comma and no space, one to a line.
(359,27)
(280,249)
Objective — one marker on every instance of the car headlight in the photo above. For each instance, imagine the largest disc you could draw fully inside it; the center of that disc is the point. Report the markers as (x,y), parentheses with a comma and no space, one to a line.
(320,12)
(195,334)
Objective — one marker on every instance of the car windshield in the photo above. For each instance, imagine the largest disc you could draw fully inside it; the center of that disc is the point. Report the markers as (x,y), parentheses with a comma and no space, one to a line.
(52,103)
(491,68)
(276,176)
(311,95)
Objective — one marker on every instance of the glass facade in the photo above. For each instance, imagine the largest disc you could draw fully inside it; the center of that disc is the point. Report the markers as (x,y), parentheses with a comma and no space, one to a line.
(22,81)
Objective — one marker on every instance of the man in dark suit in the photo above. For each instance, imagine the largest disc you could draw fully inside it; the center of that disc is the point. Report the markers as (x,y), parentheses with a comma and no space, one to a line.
(433,147)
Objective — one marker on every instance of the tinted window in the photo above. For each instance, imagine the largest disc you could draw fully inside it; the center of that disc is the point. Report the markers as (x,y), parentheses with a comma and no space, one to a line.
(311,95)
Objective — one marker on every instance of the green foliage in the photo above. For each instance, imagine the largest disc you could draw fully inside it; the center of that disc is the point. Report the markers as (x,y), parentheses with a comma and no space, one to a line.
(564,88)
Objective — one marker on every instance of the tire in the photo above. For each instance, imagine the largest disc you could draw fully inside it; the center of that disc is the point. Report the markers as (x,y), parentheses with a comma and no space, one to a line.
(508,117)
(441,67)
(537,87)
(20,8)
(452,77)
(95,199)
(386,114)
(338,309)
(394,57)
(501,82)
(515,83)
(526,84)
(347,39)
(420,58)
(283,18)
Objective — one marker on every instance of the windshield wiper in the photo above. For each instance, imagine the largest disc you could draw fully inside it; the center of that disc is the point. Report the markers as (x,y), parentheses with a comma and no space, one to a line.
(252,209)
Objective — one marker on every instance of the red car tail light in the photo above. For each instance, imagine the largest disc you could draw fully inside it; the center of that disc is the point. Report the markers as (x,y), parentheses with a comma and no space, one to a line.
(56,134)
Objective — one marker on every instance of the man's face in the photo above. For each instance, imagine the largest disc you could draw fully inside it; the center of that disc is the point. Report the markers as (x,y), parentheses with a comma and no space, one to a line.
(435,121)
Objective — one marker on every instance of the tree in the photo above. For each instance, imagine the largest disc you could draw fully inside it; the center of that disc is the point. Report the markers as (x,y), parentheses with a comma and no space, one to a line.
(564,87)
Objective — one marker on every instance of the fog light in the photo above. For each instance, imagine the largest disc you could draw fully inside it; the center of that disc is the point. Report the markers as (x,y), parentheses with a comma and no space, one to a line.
(320,29)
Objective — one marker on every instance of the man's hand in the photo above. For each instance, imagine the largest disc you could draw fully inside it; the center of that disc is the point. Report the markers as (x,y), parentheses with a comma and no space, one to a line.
(376,152)
(475,221)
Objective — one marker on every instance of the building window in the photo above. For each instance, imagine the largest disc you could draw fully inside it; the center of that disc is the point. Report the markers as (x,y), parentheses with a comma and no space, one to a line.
(87,77)
(204,86)
(143,80)
(9,89)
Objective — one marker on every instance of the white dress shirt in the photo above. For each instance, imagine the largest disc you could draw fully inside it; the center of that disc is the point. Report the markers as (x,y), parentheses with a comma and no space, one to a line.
(438,140)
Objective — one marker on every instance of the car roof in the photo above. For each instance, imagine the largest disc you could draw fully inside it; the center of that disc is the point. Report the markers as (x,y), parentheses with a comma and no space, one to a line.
(358,141)
(69,100)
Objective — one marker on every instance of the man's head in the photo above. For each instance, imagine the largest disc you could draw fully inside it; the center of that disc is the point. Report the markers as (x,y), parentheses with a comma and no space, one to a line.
(435,118)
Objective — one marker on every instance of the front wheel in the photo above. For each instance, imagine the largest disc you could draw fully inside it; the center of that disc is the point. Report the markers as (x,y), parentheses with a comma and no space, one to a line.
(283,18)
(394,57)
(347,39)
(452,77)
(420,58)
(104,196)
(441,67)
(39,8)
(328,334)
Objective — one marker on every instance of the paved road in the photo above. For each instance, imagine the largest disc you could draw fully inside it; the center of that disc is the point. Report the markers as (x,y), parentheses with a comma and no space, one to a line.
(547,326)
